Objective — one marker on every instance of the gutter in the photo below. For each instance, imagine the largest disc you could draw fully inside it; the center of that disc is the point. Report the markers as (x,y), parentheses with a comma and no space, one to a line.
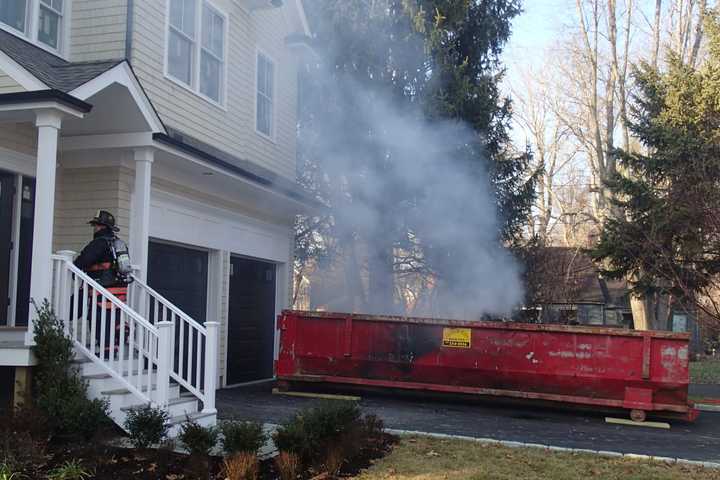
(297,196)
(45,95)
(129,29)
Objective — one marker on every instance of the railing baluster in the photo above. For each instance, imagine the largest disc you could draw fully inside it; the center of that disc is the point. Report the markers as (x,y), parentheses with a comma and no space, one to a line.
(103,326)
(131,348)
(56,285)
(150,367)
(198,364)
(93,319)
(141,358)
(83,327)
(181,357)
(76,305)
(112,320)
(121,344)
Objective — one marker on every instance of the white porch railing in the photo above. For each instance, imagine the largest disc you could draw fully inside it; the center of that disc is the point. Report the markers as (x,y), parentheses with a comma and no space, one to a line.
(157,341)
(194,365)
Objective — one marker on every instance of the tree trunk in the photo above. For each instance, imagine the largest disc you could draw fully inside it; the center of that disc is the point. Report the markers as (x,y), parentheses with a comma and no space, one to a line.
(640,312)
(656,33)
(698,33)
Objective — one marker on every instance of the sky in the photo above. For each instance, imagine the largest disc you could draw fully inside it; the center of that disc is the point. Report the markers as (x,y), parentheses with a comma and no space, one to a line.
(533,32)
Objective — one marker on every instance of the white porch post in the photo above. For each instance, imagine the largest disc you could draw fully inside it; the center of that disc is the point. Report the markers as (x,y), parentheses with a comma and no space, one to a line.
(141,209)
(48,123)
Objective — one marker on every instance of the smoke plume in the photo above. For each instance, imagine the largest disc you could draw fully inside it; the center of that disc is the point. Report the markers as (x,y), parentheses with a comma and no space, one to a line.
(410,199)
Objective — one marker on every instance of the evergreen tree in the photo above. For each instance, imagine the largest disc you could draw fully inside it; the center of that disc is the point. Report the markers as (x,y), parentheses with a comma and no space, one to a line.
(434,61)
(668,240)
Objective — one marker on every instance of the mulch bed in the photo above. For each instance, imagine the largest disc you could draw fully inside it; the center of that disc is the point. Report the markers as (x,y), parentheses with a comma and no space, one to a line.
(105,462)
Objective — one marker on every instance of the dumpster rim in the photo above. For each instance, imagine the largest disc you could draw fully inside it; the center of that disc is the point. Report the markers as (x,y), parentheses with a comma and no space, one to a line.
(621,332)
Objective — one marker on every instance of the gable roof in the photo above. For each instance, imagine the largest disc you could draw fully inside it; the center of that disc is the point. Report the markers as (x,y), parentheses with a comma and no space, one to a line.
(53,71)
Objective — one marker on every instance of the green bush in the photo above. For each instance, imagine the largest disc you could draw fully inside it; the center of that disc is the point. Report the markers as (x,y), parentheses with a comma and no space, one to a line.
(60,393)
(147,426)
(197,439)
(7,473)
(242,437)
(70,470)
(312,433)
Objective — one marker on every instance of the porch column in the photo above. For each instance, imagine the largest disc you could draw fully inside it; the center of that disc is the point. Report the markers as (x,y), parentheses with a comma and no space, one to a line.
(141,209)
(48,123)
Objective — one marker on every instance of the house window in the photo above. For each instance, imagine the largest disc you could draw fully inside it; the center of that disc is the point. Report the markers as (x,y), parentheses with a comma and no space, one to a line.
(13,13)
(265,94)
(40,21)
(211,53)
(181,40)
(196,47)
(49,24)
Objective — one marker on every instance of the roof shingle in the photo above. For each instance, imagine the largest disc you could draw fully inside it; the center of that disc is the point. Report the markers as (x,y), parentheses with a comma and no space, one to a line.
(53,71)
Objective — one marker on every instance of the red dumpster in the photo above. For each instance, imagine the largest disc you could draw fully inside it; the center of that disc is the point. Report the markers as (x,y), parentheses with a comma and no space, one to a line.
(625,369)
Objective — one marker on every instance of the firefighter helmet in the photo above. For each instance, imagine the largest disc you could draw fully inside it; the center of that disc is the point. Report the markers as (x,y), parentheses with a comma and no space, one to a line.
(105,218)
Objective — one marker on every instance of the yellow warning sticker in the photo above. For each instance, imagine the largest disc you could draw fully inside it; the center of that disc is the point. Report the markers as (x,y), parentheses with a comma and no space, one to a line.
(456,337)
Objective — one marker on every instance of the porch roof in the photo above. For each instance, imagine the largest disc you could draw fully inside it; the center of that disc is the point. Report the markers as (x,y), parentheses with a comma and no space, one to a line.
(43,96)
(51,70)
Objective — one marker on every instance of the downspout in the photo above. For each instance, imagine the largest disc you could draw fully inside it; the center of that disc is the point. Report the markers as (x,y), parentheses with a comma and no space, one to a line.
(129,30)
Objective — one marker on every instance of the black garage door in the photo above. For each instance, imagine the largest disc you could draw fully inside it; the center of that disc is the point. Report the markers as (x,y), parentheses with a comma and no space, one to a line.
(180,274)
(251,326)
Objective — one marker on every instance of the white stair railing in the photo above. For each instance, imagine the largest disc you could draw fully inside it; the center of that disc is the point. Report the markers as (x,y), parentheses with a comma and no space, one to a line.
(98,322)
(193,346)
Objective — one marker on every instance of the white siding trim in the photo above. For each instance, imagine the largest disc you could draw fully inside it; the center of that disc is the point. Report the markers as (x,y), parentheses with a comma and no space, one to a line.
(18,73)
(17,162)
(179,218)
(122,75)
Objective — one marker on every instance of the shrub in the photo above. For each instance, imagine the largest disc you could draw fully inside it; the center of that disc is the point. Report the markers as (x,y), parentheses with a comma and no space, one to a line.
(242,437)
(60,393)
(312,433)
(147,426)
(197,439)
(7,473)
(241,466)
(70,470)
(288,465)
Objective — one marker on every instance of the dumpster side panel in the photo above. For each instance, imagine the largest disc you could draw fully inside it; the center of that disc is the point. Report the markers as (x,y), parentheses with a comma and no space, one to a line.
(618,368)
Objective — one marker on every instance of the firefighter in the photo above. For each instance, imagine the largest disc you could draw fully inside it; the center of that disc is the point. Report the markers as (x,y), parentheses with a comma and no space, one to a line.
(99,260)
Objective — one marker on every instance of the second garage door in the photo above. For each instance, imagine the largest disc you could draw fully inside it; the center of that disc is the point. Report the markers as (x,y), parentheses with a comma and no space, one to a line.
(251,325)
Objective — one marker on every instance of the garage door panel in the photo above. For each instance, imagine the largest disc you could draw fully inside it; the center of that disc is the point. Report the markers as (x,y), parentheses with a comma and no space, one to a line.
(251,326)
(180,274)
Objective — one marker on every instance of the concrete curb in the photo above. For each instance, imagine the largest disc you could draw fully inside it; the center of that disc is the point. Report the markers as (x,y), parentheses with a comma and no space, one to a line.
(602,453)
(707,407)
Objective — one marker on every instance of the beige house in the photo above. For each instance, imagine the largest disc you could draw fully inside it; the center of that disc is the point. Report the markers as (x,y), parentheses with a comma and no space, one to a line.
(178,116)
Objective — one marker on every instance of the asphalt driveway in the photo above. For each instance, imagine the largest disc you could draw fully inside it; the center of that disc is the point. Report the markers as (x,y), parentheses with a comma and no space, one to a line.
(520,423)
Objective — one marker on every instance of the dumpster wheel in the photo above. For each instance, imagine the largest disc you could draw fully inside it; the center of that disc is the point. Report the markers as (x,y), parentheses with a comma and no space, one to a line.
(638,415)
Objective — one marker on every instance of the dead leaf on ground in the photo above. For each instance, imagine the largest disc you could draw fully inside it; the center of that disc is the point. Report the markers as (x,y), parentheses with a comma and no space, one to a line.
(432,453)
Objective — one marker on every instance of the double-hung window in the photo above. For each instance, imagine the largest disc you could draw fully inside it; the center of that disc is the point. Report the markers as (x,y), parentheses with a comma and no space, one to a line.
(196,47)
(265,95)
(40,21)
(50,22)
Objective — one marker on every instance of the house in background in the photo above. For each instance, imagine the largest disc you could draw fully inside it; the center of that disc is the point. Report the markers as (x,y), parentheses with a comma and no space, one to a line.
(179,116)
(568,289)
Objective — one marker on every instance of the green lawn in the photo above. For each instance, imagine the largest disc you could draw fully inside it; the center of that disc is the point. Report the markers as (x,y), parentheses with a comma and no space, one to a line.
(705,371)
(419,458)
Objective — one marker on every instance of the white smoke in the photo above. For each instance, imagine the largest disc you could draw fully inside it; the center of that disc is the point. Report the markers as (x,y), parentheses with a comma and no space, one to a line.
(426,179)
